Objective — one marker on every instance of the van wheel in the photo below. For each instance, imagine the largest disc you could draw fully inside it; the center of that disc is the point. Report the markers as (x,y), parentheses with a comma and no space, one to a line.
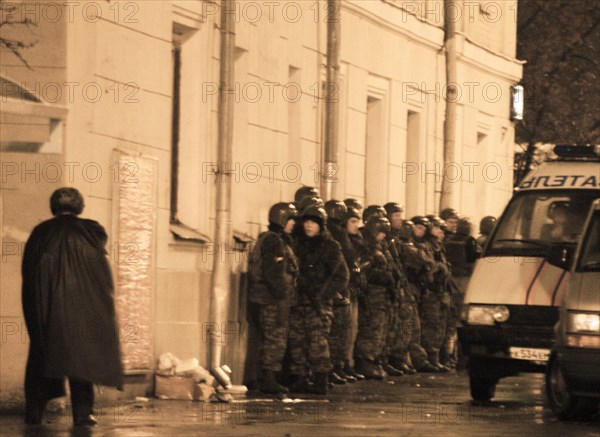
(565,405)
(483,388)
(481,381)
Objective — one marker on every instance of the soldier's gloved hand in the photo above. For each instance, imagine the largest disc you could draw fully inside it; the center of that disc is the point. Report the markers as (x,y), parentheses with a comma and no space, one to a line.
(326,315)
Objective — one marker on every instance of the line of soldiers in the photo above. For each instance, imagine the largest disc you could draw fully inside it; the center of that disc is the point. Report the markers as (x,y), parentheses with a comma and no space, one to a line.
(339,303)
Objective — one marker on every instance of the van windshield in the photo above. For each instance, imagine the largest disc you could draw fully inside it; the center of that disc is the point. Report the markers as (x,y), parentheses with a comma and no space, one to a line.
(533,220)
(589,260)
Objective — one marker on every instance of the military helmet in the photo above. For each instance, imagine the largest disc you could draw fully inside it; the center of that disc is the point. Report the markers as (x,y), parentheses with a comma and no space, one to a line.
(336,210)
(436,221)
(281,212)
(307,201)
(315,213)
(304,192)
(376,224)
(421,220)
(370,210)
(486,225)
(352,212)
(392,207)
(407,228)
(354,203)
(464,226)
(447,213)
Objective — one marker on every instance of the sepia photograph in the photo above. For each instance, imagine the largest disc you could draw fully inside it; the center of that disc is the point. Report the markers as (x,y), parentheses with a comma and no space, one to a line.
(299,218)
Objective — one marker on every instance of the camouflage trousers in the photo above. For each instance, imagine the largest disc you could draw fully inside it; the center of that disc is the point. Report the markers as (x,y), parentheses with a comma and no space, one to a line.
(408,334)
(340,334)
(308,341)
(457,299)
(353,330)
(393,336)
(372,324)
(433,315)
(274,335)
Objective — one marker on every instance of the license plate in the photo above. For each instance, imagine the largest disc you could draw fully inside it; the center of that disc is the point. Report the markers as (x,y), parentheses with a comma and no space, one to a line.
(527,353)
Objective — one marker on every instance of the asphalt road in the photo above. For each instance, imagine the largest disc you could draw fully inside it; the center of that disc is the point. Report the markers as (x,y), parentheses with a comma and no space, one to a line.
(420,405)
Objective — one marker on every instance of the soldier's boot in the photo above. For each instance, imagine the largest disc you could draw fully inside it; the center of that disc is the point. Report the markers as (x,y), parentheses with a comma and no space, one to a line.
(402,364)
(408,370)
(443,369)
(320,385)
(34,411)
(434,360)
(299,384)
(390,369)
(336,377)
(369,369)
(427,367)
(349,370)
(379,367)
(340,371)
(268,384)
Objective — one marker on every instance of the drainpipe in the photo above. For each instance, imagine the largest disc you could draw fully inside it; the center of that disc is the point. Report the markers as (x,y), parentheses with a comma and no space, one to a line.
(220,280)
(451,7)
(332,96)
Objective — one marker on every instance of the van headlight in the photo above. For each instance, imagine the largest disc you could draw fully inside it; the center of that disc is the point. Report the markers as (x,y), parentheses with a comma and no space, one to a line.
(487,314)
(583,323)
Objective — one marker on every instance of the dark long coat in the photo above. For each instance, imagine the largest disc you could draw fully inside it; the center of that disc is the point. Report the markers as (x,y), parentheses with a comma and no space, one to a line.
(69,308)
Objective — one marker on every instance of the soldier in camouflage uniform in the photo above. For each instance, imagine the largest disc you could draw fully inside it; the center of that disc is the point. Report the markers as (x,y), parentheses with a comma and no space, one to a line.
(323,273)
(373,306)
(408,330)
(273,272)
(435,301)
(358,281)
(340,328)
(394,338)
(409,355)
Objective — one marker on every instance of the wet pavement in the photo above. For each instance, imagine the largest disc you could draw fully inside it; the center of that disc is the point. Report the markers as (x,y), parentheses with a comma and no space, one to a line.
(419,405)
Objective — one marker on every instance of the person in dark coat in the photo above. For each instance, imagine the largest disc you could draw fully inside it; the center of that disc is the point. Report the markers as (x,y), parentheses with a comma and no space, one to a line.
(68,304)
(323,274)
(273,274)
(461,252)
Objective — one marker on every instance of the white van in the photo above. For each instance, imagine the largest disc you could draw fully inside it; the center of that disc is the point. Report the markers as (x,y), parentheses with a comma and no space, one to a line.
(511,304)
(573,373)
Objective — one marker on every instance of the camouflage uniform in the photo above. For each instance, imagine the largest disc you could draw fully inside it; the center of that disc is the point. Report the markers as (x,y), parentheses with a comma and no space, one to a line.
(435,301)
(323,273)
(374,305)
(309,348)
(409,325)
(273,271)
(394,339)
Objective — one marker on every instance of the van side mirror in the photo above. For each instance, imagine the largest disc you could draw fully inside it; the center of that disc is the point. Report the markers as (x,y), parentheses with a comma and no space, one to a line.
(561,255)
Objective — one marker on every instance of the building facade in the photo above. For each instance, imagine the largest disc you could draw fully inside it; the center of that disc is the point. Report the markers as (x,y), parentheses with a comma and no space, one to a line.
(121,100)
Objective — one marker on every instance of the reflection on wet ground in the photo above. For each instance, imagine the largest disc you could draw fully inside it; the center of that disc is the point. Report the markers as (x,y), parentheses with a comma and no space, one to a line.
(420,405)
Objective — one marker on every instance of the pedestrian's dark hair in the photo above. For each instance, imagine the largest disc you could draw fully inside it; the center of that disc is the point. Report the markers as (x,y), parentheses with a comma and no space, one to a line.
(66,200)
